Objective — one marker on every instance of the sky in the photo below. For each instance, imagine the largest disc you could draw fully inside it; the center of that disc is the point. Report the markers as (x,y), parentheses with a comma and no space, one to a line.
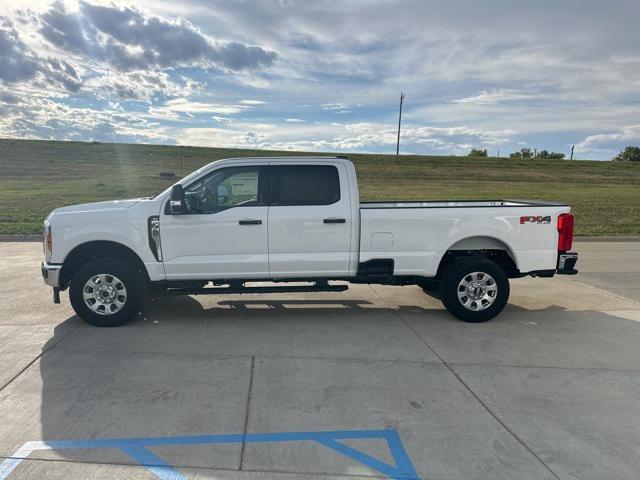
(325,75)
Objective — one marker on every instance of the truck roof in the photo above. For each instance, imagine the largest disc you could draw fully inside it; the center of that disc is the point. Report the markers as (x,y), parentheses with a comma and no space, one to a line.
(296,158)
(292,158)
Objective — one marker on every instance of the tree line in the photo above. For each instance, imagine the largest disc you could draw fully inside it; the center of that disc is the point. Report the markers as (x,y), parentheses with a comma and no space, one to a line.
(629,154)
(523,153)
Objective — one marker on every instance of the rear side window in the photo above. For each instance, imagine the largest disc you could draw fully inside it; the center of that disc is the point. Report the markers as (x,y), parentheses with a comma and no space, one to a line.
(304,185)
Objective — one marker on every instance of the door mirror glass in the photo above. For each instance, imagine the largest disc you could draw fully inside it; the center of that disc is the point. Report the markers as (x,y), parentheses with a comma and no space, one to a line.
(176,202)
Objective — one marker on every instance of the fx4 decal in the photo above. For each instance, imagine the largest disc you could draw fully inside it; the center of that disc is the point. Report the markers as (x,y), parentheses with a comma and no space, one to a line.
(535,219)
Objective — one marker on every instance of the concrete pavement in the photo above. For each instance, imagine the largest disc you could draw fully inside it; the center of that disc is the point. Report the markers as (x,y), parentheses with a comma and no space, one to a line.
(549,389)
(612,266)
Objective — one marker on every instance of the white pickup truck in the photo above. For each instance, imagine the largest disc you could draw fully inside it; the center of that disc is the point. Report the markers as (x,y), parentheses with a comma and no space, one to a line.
(295,224)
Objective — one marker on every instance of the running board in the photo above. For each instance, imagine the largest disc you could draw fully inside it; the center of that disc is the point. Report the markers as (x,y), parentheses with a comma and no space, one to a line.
(269,289)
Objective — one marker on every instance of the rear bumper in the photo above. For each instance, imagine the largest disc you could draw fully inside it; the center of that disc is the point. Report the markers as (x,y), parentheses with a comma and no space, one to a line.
(51,274)
(566,263)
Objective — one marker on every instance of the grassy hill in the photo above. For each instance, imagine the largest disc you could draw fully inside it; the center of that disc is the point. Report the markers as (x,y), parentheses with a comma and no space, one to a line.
(38,176)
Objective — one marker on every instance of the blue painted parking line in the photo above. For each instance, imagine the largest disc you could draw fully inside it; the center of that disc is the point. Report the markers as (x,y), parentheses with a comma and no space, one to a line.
(138,449)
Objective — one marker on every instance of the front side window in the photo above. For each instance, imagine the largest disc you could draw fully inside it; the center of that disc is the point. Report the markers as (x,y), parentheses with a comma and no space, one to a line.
(304,185)
(222,189)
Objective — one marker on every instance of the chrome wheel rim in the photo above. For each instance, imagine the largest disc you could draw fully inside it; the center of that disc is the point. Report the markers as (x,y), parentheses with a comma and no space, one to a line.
(104,294)
(477,291)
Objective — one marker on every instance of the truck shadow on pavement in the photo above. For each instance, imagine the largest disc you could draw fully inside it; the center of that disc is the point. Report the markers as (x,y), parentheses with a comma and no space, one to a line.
(185,367)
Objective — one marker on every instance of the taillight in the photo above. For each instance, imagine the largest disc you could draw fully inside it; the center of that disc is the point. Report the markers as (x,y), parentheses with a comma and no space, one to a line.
(565,231)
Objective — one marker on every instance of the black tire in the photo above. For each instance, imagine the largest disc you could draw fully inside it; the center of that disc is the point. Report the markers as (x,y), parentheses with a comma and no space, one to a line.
(462,269)
(128,276)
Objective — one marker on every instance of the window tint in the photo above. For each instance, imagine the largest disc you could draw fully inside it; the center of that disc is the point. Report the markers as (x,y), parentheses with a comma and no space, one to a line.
(304,185)
(222,189)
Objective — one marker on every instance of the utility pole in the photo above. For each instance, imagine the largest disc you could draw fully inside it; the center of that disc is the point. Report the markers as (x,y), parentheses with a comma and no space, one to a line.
(399,122)
(572,147)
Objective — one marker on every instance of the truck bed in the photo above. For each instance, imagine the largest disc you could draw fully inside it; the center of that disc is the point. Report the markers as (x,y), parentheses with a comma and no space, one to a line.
(460,204)
(415,235)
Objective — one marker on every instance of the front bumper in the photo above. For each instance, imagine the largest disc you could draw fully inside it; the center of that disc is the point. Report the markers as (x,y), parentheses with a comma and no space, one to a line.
(566,263)
(51,274)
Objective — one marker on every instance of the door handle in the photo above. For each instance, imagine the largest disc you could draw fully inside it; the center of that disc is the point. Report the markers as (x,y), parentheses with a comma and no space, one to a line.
(335,220)
(250,222)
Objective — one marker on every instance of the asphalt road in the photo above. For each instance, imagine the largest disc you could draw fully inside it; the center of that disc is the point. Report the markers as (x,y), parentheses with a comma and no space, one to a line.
(373,382)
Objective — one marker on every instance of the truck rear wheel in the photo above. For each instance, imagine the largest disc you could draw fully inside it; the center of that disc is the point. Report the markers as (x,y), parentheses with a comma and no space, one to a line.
(474,289)
(106,292)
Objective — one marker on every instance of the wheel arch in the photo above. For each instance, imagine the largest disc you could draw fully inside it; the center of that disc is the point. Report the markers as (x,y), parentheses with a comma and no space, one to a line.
(484,246)
(84,252)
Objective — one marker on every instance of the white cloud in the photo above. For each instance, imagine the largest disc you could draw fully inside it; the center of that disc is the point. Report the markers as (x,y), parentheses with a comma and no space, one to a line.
(337,107)
(163,114)
(607,145)
(496,96)
(135,85)
(626,135)
(38,116)
(186,106)
(340,137)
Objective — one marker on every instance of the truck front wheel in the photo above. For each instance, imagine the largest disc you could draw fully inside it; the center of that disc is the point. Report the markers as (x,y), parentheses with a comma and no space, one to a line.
(474,289)
(106,292)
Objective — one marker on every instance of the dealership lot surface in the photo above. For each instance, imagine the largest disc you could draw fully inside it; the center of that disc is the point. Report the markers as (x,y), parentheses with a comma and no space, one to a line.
(549,389)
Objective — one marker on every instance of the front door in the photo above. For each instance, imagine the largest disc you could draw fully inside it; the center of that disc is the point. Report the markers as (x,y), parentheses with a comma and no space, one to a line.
(223,234)
(309,221)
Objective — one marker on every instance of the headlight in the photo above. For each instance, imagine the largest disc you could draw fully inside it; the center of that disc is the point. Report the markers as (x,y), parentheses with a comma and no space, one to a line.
(47,240)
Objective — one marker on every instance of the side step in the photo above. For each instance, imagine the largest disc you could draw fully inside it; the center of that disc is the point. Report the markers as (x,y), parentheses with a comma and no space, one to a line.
(268,289)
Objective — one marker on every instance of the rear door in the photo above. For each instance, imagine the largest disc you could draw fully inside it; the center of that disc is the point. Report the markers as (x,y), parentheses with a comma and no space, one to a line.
(309,220)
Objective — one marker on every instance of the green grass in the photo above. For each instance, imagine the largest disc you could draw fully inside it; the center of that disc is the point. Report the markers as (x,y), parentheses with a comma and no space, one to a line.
(38,176)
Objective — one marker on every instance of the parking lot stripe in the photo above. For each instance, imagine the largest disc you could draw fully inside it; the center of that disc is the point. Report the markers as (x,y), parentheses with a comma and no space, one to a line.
(137,449)
(153,463)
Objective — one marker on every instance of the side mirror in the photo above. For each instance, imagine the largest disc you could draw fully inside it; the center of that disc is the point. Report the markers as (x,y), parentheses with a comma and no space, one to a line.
(176,202)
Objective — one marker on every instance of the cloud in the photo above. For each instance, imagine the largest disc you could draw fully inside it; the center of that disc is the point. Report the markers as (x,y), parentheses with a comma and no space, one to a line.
(361,136)
(37,116)
(140,85)
(172,109)
(337,107)
(129,40)
(606,145)
(19,63)
(9,98)
(496,96)
(221,136)
(185,105)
